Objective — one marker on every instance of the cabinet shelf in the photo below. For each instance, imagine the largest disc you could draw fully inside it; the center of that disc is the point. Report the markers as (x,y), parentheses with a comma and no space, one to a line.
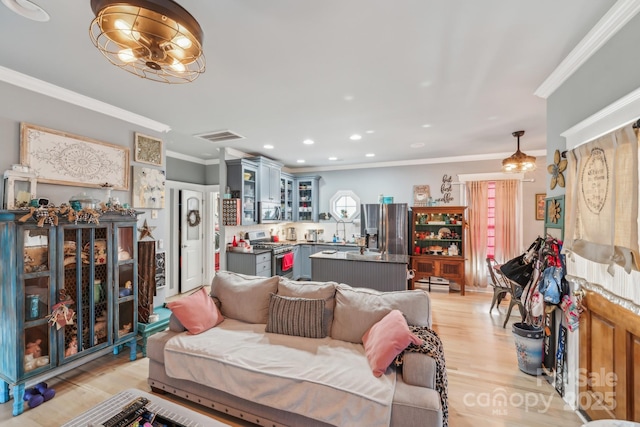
(438,240)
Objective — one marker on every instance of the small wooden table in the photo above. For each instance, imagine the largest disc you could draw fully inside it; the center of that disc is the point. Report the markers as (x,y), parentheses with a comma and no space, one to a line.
(145,330)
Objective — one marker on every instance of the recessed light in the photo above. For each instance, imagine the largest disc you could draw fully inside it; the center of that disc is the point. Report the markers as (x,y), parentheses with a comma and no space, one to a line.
(333,158)
(27,9)
(371,131)
(425,83)
(300,161)
(417,145)
(492,118)
(268,147)
(349,98)
(426,125)
(355,137)
(308,141)
(370,155)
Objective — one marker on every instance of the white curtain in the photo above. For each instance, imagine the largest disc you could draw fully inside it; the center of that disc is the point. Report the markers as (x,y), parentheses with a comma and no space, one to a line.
(477,198)
(507,203)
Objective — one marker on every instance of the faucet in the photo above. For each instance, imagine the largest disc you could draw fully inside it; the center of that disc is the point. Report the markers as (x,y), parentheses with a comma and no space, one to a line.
(344,230)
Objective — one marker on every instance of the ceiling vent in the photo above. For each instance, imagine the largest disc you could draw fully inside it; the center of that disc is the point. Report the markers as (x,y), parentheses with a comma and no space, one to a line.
(219,136)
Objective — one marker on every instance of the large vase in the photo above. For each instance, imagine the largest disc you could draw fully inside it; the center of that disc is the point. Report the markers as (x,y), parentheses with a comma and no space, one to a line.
(528,340)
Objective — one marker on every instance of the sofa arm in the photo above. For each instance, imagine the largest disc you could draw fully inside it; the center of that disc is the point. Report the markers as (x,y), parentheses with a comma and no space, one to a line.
(419,369)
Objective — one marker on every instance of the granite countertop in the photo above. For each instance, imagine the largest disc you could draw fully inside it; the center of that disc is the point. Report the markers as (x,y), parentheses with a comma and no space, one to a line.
(367,257)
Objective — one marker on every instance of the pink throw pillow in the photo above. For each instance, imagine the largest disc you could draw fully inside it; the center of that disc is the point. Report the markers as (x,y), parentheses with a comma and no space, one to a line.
(386,339)
(197,312)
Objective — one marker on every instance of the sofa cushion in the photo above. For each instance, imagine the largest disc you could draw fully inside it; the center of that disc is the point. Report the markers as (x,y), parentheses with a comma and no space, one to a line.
(313,290)
(357,309)
(301,317)
(244,297)
(196,312)
(386,339)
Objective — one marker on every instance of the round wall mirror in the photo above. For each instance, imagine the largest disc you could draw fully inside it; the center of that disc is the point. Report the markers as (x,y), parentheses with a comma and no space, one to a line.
(345,205)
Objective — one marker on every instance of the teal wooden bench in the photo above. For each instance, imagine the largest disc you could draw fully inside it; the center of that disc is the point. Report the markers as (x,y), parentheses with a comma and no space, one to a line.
(145,330)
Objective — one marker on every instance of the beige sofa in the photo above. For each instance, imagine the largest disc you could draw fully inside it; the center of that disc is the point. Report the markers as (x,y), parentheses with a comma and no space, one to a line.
(280,380)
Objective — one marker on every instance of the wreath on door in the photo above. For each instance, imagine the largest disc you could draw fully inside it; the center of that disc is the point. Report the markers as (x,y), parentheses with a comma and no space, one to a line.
(193,218)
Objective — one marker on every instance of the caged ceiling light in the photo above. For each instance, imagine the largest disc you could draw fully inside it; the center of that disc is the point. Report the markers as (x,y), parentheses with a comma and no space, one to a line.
(519,161)
(153,39)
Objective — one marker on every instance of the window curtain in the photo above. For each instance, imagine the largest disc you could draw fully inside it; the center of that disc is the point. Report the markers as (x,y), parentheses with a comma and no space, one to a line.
(506,227)
(477,194)
(602,200)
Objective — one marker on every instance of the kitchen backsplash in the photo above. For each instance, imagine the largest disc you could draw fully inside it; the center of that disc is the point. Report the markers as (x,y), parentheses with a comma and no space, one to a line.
(330,228)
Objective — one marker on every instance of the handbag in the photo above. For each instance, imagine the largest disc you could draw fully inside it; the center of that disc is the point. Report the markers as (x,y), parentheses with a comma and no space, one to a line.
(520,268)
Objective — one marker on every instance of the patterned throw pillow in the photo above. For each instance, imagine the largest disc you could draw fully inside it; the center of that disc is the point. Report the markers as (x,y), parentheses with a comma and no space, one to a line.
(300,317)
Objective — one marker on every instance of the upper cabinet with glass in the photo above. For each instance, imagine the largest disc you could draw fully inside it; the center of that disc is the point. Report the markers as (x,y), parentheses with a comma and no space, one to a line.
(344,205)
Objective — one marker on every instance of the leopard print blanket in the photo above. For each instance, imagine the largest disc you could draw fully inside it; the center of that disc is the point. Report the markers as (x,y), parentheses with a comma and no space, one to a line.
(431,346)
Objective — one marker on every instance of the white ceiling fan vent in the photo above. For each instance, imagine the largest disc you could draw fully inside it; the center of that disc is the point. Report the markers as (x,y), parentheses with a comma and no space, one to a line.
(220,135)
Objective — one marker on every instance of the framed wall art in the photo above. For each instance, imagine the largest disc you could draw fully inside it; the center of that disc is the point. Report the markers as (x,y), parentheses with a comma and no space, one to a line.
(148,149)
(540,206)
(62,158)
(148,188)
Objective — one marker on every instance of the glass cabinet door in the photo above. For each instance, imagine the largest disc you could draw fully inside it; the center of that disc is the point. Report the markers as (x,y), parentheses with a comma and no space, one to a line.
(249,196)
(305,200)
(84,287)
(286,197)
(37,271)
(125,286)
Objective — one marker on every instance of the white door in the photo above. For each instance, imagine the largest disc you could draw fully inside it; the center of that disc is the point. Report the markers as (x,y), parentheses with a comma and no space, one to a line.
(191,240)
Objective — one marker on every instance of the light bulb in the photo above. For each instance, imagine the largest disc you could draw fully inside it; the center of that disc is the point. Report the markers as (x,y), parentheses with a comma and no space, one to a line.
(126,55)
(123,26)
(178,66)
(183,42)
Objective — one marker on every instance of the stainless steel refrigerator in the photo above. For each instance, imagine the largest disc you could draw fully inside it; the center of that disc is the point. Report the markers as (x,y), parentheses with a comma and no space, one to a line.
(385,227)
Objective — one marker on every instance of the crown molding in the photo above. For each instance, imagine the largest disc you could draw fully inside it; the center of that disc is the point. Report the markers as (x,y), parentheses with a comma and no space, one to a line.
(620,113)
(438,160)
(616,18)
(191,159)
(44,88)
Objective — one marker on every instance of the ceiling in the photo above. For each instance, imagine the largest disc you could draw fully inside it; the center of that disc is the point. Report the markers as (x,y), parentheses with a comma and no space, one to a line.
(450,78)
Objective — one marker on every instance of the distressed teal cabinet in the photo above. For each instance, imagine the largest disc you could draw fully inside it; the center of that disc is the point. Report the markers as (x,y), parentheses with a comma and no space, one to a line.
(86,274)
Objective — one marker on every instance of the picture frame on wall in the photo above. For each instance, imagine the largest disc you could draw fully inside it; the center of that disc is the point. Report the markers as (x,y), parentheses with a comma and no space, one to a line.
(540,206)
(57,157)
(148,188)
(148,149)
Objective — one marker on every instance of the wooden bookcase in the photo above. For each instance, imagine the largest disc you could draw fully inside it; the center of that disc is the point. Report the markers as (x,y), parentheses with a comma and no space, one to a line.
(438,247)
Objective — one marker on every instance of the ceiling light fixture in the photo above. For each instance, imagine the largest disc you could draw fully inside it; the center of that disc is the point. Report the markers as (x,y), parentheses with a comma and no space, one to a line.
(27,9)
(370,155)
(333,158)
(355,137)
(268,147)
(153,39)
(519,161)
(308,142)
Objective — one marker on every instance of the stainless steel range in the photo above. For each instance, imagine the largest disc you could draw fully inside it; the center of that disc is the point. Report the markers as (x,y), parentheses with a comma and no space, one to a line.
(279,252)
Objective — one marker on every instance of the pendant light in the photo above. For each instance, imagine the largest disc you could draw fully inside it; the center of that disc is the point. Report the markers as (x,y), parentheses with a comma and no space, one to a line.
(153,39)
(519,161)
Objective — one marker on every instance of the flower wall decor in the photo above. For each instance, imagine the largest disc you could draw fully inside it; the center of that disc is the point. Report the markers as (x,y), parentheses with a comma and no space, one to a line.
(554,211)
(558,166)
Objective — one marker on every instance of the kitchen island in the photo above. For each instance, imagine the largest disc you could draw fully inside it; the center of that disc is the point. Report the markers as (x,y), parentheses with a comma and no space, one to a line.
(370,270)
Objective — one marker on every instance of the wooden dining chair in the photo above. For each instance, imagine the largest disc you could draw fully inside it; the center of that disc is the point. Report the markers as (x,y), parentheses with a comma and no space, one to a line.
(503,286)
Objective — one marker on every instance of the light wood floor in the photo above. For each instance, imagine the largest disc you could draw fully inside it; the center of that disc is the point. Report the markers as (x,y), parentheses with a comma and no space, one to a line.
(481,365)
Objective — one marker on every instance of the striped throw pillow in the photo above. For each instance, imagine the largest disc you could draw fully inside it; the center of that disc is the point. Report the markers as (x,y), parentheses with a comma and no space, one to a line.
(301,317)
